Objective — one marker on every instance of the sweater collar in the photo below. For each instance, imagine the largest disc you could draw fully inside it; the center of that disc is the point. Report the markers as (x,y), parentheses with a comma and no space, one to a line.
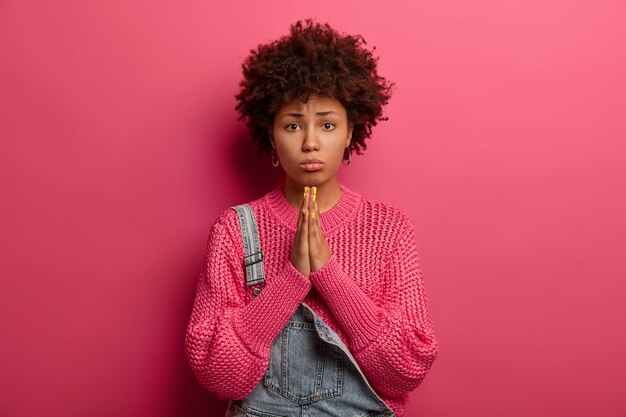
(332,220)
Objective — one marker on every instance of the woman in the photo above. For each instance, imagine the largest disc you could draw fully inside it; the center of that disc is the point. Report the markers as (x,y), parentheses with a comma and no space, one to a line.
(337,264)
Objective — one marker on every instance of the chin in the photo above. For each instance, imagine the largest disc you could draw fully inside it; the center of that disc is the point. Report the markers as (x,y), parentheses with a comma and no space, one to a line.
(309,180)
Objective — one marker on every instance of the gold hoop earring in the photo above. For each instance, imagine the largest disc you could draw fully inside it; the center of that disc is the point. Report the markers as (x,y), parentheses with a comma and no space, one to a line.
(274,154)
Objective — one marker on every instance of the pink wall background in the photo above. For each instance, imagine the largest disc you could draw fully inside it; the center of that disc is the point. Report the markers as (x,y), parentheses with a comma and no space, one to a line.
(505,144)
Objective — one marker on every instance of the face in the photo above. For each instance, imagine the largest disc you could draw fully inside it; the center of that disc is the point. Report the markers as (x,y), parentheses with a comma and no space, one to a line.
(319,130)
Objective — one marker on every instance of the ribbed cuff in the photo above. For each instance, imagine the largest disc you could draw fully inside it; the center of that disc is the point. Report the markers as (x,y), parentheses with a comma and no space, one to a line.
(265,316)
(360,318)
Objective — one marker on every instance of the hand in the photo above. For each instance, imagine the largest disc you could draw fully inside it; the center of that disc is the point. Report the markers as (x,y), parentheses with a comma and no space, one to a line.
(300,246)
(309,251)
(319,252)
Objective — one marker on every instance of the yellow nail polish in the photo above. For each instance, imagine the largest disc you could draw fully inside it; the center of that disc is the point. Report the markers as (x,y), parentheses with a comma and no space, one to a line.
(304,211)
(314,190)
(314,197)
(313,215)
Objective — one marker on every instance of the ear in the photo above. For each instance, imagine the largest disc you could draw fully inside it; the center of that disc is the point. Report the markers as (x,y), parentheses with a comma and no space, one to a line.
(350,128)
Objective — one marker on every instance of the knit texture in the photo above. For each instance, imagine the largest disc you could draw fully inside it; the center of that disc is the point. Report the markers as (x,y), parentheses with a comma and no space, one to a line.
(370,292)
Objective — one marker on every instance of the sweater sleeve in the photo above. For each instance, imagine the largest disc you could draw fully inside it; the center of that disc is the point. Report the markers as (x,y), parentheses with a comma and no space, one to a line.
(228,343)
(393,343)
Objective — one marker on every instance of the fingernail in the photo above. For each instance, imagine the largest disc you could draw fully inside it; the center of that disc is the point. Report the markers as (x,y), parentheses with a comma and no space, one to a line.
(313,215)
(304,212)
(314,190)
(314,197)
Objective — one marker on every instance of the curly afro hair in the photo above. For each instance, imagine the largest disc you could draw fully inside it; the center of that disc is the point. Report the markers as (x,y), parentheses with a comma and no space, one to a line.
(313,59)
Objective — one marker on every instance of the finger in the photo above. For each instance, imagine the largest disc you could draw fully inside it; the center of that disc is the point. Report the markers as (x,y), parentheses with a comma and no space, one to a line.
(315,237)
(313,225)
(318,220)
(302,213)
(305,221)
(312,202)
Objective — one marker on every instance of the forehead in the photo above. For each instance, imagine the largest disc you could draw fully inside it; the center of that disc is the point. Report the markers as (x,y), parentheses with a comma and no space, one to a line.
(314,104)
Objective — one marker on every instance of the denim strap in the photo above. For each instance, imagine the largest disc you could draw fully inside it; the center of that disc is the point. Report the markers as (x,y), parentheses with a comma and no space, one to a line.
(252,246)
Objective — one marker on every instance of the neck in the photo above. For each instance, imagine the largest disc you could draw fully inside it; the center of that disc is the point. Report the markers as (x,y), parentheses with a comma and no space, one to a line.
(328,193)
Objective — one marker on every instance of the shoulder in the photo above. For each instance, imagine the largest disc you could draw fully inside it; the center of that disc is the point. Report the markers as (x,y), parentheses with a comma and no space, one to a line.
(385,221)
(229,217)
(385,213)
(221,229)
(227,221)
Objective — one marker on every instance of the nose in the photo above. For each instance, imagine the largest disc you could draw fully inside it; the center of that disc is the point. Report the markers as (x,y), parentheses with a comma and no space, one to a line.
(311,141)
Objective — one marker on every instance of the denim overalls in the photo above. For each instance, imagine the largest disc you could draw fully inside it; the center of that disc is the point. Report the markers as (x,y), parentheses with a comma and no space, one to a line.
(311,372)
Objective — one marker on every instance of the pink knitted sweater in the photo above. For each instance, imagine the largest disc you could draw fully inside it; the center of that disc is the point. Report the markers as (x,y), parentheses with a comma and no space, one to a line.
(370,292)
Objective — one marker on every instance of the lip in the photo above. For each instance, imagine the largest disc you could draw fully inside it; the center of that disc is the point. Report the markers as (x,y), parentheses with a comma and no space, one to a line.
(312,161)
(312,165)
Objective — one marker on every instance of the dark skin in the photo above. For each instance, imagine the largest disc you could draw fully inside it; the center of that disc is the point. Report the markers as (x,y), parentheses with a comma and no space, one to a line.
(317,129)
(310,250)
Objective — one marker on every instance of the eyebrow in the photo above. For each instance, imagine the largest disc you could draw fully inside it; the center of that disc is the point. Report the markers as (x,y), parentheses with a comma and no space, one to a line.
(299,115)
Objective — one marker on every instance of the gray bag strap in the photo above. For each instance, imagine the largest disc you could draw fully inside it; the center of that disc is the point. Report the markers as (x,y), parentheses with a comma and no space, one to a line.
(253,259)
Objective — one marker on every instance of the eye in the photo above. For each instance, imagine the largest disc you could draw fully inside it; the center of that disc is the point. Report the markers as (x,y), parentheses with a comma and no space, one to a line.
(328,126)
(292,127)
